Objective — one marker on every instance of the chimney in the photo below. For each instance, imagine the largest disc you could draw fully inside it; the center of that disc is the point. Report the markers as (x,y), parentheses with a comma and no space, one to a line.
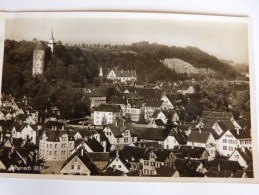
(237,129)
(199,130)
(82,151)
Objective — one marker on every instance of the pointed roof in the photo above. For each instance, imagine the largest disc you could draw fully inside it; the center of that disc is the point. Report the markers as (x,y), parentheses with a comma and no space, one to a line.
(39,46)
(52,37)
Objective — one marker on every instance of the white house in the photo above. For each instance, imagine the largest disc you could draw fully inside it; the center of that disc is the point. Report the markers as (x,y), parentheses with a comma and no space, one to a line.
(242,155)
(79,164)
(56,145)
(202,139)
(122,76)
(106,114)
(119,163)
(226,144)
(26,132)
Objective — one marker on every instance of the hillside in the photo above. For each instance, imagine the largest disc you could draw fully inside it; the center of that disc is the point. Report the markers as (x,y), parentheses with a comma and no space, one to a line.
(180,66)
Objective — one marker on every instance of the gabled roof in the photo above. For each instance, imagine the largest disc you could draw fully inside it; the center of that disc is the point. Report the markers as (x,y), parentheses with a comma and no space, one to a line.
(115,130)
(86,161)
(112,172)
(94,145)
(246,155)
(241,134)
(162,155)
(154,134)
(49,124)
(132,153)
(226,125)
(84,133)
(198,137)
(53,136)
(154,103)
(180,137)
(6,124)
(192,152)
(98,156)
(125,73)
(163,171)
(117,100)
(186,168)
(224,165)
(108,108)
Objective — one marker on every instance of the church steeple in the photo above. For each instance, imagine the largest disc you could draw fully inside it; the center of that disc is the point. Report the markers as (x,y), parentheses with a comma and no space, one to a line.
(52,42)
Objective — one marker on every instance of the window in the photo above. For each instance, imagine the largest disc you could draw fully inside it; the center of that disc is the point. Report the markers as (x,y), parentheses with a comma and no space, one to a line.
(146,172)
(50,145)
(126,140)
(230,141)
(230,148)
(56,145)
(224,141)
(236,156)
(224,147)
(78,167)
(75,159)
(119,166)
(118,140)
(50,152)
(146,163)
(55,153)
(153,163)
(72,167)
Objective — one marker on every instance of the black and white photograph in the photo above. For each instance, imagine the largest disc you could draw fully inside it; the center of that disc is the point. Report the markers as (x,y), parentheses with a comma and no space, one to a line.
(127,95)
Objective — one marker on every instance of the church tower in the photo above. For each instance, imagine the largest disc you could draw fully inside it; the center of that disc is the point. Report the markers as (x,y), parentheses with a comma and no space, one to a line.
(52,42)
(38,60)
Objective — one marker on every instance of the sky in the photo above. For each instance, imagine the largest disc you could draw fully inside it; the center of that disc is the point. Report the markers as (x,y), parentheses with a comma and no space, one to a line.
(224,40)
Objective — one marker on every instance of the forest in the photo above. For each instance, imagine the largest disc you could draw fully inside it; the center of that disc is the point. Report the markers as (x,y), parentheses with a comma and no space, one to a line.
(72,68)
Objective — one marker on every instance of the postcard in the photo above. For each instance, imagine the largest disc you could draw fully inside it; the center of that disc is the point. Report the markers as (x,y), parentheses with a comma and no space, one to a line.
(127,96)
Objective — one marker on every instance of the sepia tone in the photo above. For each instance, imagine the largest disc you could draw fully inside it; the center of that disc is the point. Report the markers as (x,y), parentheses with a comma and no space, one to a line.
(132,97)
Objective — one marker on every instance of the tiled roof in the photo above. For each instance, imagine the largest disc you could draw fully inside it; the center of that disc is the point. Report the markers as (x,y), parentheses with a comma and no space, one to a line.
(226,125)
(198,137)
(111,172)
(115,130)
(98,156)
(135,153)
(154,134)
(162,154)
(192,152)
(163,171)
(117,100)
(123,73)
(241,134)
(154,103)
(221,115)
(224,165)
(246,155)
(108,108)
(84,133)
(87,162)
